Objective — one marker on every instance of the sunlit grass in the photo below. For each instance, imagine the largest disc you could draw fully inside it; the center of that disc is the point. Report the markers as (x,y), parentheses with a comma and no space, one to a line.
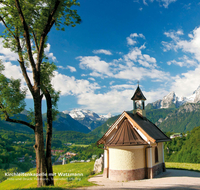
(66,176)
(184,166)
(80,145)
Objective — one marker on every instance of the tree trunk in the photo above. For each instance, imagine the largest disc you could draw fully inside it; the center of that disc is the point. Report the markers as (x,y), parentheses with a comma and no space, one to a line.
(49,139)
(39,143)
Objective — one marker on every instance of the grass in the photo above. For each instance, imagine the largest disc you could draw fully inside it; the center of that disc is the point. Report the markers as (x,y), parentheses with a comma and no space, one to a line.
(83,171)
(183,166)
(12,166)
(80,172)
(81,145)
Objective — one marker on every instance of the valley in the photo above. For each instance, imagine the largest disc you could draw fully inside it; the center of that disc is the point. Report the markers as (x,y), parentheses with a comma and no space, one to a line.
(84,127)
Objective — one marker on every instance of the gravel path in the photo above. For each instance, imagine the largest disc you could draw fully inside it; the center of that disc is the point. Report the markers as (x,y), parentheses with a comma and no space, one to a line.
(170,180)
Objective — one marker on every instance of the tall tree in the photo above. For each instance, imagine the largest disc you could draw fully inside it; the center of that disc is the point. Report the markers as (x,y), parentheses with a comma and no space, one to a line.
(27,24)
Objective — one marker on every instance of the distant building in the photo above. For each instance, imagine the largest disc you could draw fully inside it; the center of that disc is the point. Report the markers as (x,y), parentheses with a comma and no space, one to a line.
(70,154)
(133,145)
(176,135)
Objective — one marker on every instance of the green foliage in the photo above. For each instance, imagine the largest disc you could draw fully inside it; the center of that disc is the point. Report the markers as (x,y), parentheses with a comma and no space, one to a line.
(85,153)
(63,137)
(185,149)
(13,146)
(11,96)
(155,114)
(39,11)
(182,119)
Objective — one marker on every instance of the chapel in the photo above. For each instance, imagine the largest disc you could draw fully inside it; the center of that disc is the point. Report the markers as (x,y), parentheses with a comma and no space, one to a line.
(133,145)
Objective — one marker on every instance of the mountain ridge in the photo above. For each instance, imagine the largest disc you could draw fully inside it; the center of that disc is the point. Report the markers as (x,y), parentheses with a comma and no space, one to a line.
(171,100)
(87,118)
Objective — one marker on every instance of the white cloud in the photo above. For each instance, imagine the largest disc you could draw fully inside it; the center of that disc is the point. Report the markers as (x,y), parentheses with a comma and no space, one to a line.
(149,59)
(94,63)
(6,54)
(186,83)
(13,71)
(185,61)
(133,66)
(71,86)
(166,3)
(91,79)
(123,86)
(118,99)
(48,54)
(131,39)
(144,63)
(139,73)
(102,51)
(143,59)
(190,46)
(72,69)
(145,3)
(133,54)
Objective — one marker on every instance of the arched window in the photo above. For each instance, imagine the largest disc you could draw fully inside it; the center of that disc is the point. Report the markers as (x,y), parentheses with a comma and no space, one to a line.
(156,154)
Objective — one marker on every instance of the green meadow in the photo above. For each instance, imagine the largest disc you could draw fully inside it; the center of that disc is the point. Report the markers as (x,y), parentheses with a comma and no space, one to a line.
(183,166)
(71,176)
(66,177)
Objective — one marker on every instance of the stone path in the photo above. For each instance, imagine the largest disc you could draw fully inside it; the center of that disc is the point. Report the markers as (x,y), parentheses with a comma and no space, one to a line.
(170,180)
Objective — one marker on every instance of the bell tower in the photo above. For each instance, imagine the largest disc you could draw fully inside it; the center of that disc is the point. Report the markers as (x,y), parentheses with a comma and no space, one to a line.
(139,102)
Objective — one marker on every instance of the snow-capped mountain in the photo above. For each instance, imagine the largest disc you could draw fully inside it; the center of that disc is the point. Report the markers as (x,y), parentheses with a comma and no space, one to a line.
(88,118)
(82,113)
(172,100)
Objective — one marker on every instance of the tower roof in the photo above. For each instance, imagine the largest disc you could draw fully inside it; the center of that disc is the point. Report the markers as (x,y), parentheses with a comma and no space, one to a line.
(138,95)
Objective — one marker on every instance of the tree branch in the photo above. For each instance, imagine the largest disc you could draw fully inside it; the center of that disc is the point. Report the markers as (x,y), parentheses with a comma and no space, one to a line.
(23,68)
(20,122)
(7,118)
(27,38)
(35,39)
(7,27)
(47,28)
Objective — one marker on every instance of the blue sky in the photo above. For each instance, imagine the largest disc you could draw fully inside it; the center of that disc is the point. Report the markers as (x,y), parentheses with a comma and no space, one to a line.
(118,43)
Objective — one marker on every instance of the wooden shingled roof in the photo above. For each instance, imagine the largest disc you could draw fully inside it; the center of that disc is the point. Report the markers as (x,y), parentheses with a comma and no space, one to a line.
(122,132)
(125,135)
(138,95)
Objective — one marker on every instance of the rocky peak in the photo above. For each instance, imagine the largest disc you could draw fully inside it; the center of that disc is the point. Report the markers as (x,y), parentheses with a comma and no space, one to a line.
(168,100)
(172,100)
(197,95)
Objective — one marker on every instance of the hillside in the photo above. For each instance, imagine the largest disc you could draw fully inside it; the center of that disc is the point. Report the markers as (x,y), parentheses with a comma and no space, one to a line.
(185,149)
(154,115)
(183,119)
(63,122)
(16,127)
(99,131)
